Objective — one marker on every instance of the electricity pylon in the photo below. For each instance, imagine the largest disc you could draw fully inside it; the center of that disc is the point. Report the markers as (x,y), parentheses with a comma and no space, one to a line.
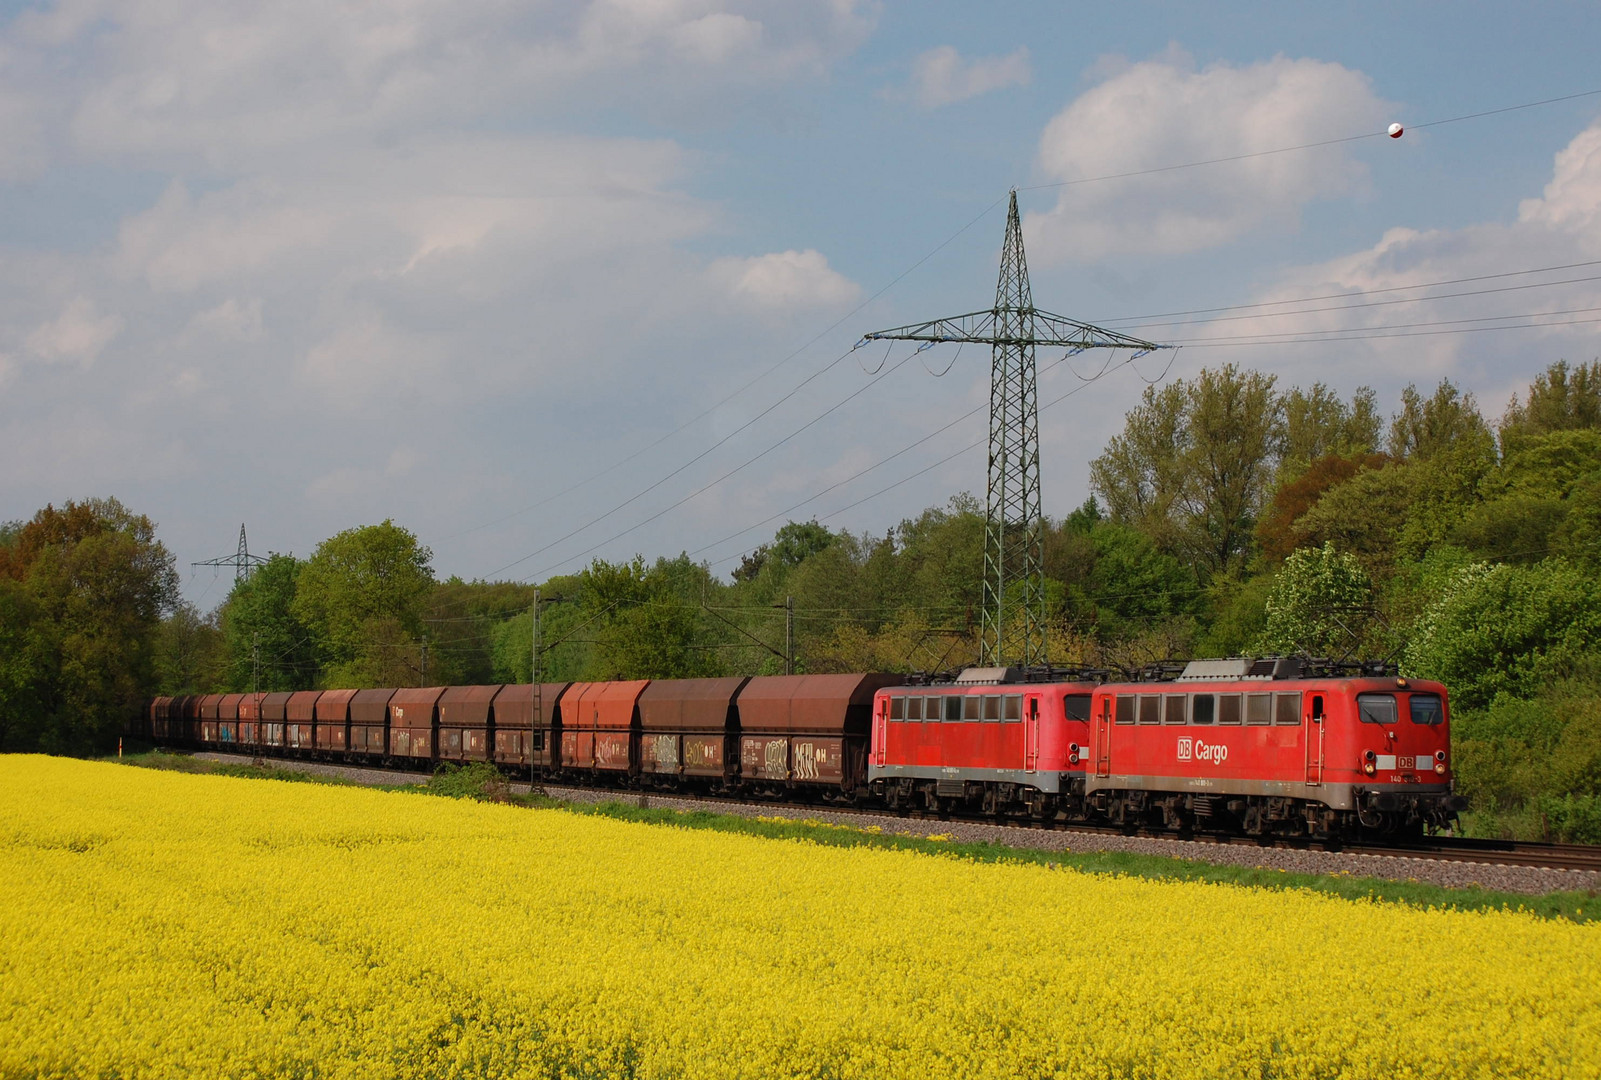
(242,561)
(1014,533)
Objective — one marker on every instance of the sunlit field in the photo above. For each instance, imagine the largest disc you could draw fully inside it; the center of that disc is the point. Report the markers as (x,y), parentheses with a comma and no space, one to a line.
(159,924)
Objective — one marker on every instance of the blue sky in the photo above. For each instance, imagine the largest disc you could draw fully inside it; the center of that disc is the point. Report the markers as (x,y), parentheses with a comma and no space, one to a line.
(313,265)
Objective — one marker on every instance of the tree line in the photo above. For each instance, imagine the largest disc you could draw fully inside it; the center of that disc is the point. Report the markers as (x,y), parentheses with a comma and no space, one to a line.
(1229,516)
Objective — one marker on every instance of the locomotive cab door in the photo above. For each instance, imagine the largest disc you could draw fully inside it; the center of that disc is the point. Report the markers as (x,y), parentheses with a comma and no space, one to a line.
(1314,725)
(1031,735)
(881,732)
(1103,738)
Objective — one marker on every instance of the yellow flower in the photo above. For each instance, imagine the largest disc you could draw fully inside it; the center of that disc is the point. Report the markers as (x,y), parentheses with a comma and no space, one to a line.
(158,924)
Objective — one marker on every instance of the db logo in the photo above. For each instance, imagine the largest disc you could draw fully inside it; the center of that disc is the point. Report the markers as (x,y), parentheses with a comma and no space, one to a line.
(1184,749)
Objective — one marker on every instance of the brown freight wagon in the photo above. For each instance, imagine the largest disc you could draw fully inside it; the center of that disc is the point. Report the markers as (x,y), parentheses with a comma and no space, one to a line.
(228,719)
(807,730)
(189,710)
(300,716)
(689,728)
(413,713)
(598,723)
(160,709)
(332,724)
(250,719)
(369,722)
(208,719)
(519,740)
(274,717)
(465,716)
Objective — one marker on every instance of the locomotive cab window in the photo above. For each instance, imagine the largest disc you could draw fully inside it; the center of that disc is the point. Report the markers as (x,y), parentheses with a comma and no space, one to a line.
(970,707)
(1150,709)
(953,707)
(1228,709)
(1258,708)
(1287,708)
(1125,709)
(897,708)
(1376,708)
(1012,707)
(1426,709)
(1076,706)
(1201,708)
(1173,709)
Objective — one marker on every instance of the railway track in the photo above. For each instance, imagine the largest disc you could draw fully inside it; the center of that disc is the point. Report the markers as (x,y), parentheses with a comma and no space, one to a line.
(1583,858)
(1575,857)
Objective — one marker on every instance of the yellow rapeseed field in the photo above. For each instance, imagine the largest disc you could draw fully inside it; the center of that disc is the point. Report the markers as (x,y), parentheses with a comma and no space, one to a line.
(164,925)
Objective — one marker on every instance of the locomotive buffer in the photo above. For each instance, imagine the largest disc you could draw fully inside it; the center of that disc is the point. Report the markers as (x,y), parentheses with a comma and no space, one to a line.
(1014,533)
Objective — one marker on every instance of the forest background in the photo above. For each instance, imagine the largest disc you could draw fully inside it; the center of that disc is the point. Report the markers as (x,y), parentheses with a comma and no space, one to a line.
(1229,517)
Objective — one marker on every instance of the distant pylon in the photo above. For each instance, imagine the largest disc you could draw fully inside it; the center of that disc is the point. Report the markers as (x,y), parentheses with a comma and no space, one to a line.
(1013,625)
(242,561)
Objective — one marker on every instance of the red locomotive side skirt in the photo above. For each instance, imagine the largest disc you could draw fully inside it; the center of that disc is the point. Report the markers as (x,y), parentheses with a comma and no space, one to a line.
(1044,781)
(1336,796)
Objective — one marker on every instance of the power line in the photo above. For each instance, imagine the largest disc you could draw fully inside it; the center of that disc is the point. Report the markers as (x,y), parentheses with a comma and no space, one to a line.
(1358,336)
(708,486)
(1375,303)
(931,467)
(1145,319)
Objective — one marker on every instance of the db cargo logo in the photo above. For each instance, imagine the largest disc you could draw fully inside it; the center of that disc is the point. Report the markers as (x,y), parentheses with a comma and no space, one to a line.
(1192,750)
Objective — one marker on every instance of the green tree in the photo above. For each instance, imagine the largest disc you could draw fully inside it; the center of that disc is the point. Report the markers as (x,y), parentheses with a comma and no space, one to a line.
(191,653)
(269,646)
(1193,466)
(1318,424)
(1317,605)
(88,585)
(363,595)
(1560,399)
(1425,428)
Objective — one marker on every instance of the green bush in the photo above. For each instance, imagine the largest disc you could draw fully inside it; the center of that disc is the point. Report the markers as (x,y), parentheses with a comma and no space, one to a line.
(474,780)
(1506,630)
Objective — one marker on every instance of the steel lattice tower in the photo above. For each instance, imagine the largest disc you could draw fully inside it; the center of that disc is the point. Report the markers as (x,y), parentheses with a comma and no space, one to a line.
(1014,534)
(242,561)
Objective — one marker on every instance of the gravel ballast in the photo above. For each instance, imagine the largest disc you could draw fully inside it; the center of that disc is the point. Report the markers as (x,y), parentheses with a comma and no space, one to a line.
(1451,874)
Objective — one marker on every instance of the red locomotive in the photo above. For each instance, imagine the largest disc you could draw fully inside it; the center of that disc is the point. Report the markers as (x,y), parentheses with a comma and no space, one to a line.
(1259,747)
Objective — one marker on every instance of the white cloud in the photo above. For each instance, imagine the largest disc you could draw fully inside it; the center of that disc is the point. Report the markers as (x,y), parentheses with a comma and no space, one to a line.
(231,82)
(1162,112)
(785,280)
(941,77)
(78,335)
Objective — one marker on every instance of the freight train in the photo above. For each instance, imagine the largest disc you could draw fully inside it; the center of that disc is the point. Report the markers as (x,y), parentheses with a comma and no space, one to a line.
(1274,747)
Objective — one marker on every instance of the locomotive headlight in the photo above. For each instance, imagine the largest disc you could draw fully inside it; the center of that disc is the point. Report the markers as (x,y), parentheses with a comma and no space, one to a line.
(1072,753)
(1369,762)
(1439,762)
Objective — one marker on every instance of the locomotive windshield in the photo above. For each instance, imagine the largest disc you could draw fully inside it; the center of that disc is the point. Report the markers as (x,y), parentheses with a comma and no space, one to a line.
(1076,706)
(1426,709)
(1376,708)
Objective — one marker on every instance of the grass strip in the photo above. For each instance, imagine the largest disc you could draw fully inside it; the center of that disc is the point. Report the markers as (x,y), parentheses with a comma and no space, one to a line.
(479,781)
